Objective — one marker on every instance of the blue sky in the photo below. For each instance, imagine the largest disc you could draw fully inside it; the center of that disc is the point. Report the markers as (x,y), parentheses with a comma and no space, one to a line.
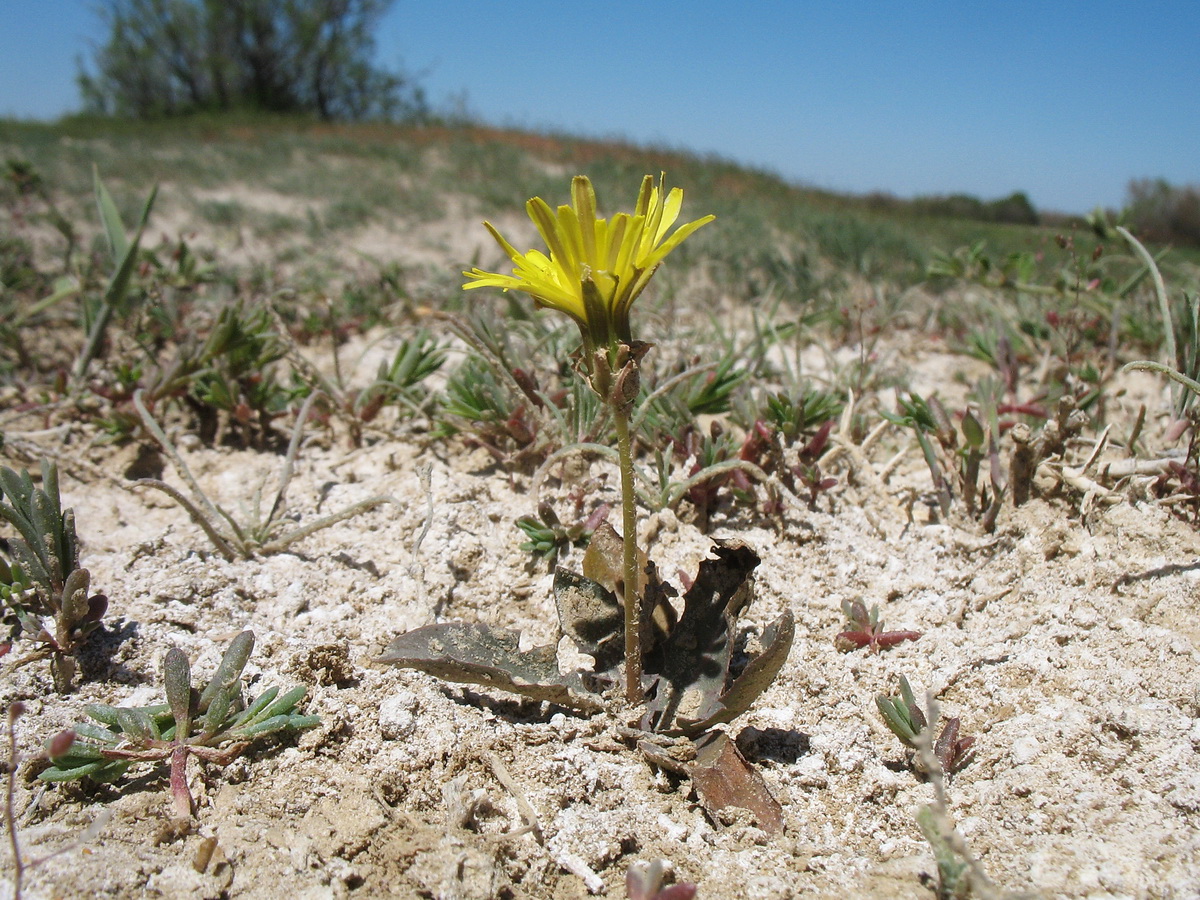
(1065,100)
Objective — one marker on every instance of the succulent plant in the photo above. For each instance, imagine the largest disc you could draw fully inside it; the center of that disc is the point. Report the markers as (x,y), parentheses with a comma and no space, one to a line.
(214,724)
(865,629)
(44,594)
(904,719)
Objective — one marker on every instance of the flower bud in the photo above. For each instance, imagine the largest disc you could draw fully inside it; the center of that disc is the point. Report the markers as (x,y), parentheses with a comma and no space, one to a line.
(61,743)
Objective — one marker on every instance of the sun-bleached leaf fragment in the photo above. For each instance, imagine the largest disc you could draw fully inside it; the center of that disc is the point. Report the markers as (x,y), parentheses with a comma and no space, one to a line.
(479,654)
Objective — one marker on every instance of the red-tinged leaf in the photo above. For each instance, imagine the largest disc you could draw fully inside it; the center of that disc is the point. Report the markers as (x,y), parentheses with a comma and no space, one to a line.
(1022,409)
(518,429)
(856,613)
(892,638)
(952,751)
(97,607)
(644,882)
(685,579)
(816,446)
(528,385)
(61,743)
(944,748)
(962,753)
(852,640)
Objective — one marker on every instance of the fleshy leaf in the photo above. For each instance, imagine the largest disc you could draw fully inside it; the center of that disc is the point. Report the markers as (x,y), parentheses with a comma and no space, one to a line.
(177,679)
(230,669)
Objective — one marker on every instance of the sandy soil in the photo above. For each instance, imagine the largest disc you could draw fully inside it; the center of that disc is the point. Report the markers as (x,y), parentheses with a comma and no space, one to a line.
(1066,641)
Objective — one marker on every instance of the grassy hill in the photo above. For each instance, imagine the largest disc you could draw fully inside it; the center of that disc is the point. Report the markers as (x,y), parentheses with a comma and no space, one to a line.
(347,176)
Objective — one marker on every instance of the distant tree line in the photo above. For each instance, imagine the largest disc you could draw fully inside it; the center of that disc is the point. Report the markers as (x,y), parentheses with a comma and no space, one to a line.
(1015,209)
(309,57)
(1164,213)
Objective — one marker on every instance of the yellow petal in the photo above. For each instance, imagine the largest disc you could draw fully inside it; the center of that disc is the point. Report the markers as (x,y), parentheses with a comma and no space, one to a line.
(614,237)
(657,255)
(505,245)
(570,234)
(644,194)
(670,213)
(547,226)
(490,279)
(583,196)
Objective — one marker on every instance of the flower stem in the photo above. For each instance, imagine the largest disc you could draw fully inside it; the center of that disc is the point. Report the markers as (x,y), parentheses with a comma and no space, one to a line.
(632,592)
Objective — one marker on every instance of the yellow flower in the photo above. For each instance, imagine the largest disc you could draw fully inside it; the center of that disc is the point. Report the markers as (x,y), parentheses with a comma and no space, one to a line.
(596,267)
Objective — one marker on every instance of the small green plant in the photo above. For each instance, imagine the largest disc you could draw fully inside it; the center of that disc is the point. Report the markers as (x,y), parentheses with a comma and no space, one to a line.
(399,378)
(495,403)
(124,252)
(794,414)
(223,375)
(214,724)
(262,531)
(487,411)
(705,452)
(955,461)
(904,718)
(865,630)
(548,536)
(398,381)
(238,378)
(44,593)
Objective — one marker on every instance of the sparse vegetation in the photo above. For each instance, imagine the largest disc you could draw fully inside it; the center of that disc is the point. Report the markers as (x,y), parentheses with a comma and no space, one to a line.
(45,595)
(904,718)
(885,399)
(213,723)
